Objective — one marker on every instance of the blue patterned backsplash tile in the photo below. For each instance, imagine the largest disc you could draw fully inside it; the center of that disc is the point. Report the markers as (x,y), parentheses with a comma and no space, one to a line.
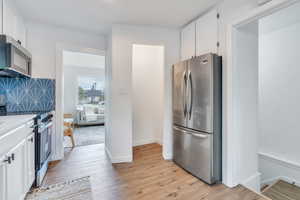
(28,95)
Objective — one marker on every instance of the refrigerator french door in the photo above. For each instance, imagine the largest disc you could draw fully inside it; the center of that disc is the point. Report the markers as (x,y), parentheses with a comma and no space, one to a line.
(197,114)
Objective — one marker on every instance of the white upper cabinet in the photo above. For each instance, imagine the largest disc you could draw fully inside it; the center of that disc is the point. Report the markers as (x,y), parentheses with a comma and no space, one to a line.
(201,36)
(207,33)
(13,23)
(9,18)
(21,31)
(188,41)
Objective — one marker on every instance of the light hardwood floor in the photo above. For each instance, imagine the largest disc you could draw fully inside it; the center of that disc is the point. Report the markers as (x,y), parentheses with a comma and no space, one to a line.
(282,190)
(149,177)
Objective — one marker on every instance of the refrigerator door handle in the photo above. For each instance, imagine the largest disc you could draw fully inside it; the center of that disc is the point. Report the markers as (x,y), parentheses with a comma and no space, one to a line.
(179,129)
(191,94)
(183,88)
(200,136)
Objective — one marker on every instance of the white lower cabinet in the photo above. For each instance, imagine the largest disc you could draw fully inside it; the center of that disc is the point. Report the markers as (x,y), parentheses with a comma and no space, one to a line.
(17,167)
(30,162)
(3,178)
(15,172)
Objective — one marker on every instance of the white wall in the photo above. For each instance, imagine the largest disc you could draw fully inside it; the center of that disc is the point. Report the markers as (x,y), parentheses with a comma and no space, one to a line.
(279,95)
(230,10)
(108,97)
(123,37)
(235,167)
(46,44)
(246,104)
(43,39)
(147,94)
(71,75)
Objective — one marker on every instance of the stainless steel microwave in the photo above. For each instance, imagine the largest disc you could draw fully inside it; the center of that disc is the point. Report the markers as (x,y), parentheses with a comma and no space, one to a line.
(15,60)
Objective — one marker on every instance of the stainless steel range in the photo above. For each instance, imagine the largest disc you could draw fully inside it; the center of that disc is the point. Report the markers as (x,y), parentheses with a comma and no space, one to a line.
(43,134)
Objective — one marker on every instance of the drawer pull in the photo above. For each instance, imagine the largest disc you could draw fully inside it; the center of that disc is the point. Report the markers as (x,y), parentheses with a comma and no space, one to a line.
(7,160)
(13,156)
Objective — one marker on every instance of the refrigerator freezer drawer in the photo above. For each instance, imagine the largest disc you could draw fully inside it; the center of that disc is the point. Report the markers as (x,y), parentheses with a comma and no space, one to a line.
(194,153)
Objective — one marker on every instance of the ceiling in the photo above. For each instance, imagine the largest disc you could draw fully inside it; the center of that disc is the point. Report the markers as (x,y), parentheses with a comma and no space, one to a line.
(281,19)
(98,15)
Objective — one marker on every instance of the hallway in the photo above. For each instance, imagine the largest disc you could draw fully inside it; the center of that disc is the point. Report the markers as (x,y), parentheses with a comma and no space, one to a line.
(86,135)
(148,177)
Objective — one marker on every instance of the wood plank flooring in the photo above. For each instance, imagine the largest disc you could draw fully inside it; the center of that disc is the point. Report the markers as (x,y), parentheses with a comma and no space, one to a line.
(282,190)
(149,177)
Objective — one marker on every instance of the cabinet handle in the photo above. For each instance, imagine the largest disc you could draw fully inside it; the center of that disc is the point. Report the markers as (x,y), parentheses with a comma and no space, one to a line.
(7,160)
(31,139)
(13,156)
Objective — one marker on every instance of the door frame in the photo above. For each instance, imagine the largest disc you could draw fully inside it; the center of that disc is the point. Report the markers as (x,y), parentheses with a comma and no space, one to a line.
(57,146)
(230,135)
(163,71)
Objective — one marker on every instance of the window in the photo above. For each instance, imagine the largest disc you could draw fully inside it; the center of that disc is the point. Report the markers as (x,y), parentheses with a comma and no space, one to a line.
(90,90)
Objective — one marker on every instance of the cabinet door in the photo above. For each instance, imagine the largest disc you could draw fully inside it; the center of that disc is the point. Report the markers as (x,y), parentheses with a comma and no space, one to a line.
(3,178)
(15,173)
(30,161)
(9,19)
(207,33)
(188,41)
(13,22)
(20,30)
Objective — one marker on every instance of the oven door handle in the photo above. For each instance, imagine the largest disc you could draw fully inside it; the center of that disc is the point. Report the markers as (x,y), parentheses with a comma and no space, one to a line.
(47,126)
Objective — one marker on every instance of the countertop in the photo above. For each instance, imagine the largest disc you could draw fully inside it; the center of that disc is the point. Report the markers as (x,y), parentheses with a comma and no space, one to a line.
(8,123)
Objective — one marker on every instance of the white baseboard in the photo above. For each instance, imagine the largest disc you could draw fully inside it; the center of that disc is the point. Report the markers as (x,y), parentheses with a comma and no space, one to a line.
(280,161)
(253,182)
(121,159)
(274,168)
(55,157)
(158,141)
(143,142)
(167,156)
(108,153)
(118,159)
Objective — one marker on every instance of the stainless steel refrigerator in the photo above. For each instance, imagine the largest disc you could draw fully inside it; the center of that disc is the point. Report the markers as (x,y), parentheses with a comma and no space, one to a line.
(197,116)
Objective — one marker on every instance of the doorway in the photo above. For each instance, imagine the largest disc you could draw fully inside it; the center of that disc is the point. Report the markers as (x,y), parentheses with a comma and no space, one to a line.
(84,107)
(148,94)
(265,108)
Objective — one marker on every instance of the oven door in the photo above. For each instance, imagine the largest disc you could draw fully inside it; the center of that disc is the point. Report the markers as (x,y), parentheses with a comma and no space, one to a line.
(45,143)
